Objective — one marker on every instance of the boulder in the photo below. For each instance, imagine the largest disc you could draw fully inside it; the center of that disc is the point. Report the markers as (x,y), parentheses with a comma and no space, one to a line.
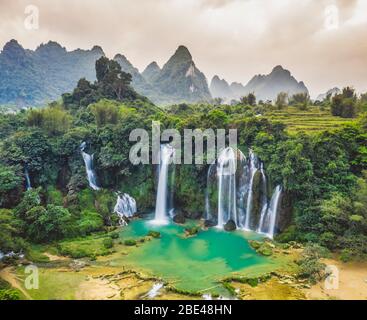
(230,226)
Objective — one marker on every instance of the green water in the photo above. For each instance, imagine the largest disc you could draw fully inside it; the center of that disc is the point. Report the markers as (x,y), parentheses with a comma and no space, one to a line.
(194,263)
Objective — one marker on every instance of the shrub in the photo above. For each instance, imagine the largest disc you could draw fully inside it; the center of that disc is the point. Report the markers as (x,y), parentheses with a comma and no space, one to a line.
(346,255)
(9,294)
(130,242)
(108,243)
(154,234)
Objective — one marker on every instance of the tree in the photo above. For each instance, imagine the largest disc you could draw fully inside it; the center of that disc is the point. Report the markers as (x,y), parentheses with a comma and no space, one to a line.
(9,181)
(300,100)
(250,99)
(344,104)
(105,112)
(282,100)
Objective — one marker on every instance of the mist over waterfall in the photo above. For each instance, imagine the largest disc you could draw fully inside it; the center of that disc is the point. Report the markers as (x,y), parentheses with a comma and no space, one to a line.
(125,207)
(88,161)
(239,190)
(162,207)
(28,185)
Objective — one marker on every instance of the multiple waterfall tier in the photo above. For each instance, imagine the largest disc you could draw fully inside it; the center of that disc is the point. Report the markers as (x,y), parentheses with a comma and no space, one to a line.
(239,189)
(236,184)
(125,204)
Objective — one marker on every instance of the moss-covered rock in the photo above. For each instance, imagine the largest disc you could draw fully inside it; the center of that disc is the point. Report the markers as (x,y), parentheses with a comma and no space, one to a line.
(154,234)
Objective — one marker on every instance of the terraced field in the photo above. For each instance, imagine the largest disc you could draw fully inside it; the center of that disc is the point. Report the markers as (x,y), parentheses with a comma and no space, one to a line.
(310,121)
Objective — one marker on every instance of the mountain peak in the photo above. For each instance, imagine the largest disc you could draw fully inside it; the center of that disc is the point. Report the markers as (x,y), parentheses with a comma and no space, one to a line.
(51,46)
(12,45)
(277,68)
(183,53)
(151,71)
(98,49)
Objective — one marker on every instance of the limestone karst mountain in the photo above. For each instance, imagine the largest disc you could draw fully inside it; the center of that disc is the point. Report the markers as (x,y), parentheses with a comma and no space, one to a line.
(33,78)
(219,88)
(30,77)
(151,71)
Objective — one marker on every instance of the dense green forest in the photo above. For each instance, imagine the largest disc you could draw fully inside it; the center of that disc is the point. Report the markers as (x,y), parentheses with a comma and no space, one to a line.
(323,172)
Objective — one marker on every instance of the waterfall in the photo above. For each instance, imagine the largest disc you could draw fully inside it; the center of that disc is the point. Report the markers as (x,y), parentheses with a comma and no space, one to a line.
(27,179)
(252,172)
(226,170)
(264,205)
(274,206)
(208,214)
(268,218)
(236,198)
(125,207)
(88,161)
(167,153)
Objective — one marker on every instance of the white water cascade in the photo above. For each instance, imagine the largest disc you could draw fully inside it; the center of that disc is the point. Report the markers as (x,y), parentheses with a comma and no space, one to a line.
(88,161)
(226,172)
(268,222)
(125,207)
(167,152)
(27,179)
(252,171)
(237,200)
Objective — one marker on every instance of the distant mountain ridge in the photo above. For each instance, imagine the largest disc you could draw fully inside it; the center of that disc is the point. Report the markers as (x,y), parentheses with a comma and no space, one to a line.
(265,87)
(35,77)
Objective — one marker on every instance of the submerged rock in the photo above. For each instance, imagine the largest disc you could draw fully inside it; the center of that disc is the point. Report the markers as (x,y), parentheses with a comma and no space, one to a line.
(230,226)
(209,223)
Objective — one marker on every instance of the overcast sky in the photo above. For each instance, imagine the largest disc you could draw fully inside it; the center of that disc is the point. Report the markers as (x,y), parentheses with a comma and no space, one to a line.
(232,38)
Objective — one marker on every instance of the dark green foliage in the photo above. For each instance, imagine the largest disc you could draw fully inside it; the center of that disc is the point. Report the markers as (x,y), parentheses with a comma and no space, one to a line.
(108,243)
(9,294)
(130,242)
(344,104)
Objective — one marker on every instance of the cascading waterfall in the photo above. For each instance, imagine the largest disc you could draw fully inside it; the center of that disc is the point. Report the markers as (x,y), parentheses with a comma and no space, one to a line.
(27,179)
(208,214)
(236,193)
(267,226)
(88,161)
(253,169)
(125,207)
(264,202)
(167,153)
(226,172)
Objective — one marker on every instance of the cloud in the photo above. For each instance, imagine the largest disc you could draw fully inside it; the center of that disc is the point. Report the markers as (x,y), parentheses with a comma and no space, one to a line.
(232,38)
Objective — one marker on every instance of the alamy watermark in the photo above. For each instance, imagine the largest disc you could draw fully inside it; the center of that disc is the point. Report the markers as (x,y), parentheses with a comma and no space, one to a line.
(331,17)
(31,281)
(31,21)
(332,278)
(192,150)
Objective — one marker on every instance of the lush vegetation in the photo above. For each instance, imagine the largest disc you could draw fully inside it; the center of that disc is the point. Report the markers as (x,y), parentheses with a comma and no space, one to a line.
(322,168)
